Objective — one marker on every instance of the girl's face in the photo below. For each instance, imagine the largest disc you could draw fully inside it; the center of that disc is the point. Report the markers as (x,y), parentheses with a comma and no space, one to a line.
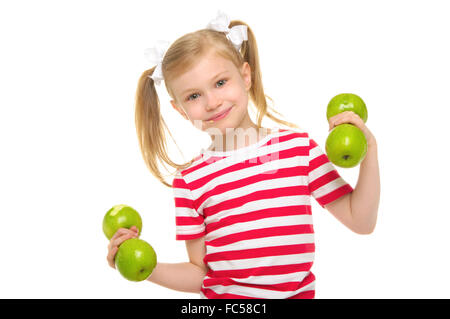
(210,88)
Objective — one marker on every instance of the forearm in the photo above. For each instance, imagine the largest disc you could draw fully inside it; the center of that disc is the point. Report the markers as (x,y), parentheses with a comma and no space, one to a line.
(366,195)
(186,277)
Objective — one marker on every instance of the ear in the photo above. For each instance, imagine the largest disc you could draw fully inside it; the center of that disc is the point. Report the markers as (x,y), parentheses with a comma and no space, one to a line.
(246,73)
(179,109)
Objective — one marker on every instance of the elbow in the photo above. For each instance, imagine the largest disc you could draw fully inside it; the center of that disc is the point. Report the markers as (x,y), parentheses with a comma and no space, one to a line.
(366,230)
(364,223)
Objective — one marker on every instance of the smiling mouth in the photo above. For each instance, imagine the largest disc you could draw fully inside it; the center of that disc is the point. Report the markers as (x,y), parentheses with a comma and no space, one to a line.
(220,115)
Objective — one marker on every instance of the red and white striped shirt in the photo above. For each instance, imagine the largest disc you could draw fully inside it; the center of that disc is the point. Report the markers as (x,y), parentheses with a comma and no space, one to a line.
(253,207)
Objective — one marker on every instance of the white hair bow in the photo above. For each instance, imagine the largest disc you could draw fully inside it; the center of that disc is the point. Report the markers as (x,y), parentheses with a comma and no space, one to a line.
(155,55)
(236,35)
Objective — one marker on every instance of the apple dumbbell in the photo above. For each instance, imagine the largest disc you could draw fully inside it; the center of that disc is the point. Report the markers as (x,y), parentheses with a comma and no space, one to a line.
(346,145)
(135,258)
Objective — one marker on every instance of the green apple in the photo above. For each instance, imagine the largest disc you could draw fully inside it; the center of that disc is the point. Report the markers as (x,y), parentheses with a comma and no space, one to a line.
(120,216)
(135,259)
(347,102)
(346,145)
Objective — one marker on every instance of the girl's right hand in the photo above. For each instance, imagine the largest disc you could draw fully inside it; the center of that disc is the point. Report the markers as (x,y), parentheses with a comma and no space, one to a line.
(119,237)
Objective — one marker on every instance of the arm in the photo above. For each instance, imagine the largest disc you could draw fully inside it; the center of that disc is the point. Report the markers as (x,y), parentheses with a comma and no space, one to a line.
(358,210)
(187,276)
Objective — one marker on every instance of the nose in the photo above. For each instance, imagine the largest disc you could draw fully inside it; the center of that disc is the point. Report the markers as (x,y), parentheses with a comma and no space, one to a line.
(213,101)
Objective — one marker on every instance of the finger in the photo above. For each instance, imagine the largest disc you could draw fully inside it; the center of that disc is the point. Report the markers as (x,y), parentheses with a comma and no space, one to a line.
(119,232)
(117,242)
(114,246)
(346,117)
(111,255)
(334,120)
(135,229)
(114,238)
(340,116)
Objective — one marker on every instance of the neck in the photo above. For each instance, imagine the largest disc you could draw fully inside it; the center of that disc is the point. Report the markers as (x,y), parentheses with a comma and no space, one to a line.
(235,138)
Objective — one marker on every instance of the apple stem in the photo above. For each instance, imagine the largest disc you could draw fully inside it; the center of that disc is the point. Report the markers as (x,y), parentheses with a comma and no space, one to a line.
(346,157)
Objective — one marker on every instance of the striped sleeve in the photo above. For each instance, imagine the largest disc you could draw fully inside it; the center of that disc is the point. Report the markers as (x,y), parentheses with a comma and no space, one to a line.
(189,223)
(324,182)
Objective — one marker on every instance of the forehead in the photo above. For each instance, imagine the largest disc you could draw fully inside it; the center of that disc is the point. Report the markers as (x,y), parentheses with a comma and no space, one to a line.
(201,73)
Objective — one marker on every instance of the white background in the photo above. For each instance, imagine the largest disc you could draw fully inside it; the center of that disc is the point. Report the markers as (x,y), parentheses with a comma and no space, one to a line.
(68,75)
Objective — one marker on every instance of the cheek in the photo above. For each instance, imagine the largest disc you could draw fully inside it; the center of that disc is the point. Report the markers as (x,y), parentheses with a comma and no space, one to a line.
(239,96)
(195,112)
(241,99)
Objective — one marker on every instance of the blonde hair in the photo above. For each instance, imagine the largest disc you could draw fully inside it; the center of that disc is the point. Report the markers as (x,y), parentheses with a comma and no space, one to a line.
(180,57)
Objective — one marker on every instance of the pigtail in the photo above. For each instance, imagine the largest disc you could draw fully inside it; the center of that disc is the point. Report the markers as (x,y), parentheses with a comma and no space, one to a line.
(249,51)
(151,128)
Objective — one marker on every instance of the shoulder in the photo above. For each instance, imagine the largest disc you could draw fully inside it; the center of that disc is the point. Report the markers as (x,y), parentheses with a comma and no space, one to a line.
(297,137)
(289,131)
(302,134)
(186,168)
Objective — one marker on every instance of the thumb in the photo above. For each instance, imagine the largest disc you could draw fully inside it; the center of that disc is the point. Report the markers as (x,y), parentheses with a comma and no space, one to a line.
(134,228)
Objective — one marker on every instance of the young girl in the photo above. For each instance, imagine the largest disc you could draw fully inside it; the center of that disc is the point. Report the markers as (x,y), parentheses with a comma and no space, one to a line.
(243,205)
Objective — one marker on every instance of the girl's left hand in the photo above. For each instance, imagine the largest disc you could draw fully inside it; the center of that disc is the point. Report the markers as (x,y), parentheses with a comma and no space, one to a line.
(352,118)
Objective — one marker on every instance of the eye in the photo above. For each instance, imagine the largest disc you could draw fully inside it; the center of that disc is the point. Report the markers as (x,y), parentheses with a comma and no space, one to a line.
(190,97)
(195,95)
(222,81)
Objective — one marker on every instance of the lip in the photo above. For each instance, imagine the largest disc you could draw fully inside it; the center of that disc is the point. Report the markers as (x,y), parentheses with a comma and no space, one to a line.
(220,115)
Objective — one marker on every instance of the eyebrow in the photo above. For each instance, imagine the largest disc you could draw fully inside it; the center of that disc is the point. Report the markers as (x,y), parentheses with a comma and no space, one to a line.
(212,79)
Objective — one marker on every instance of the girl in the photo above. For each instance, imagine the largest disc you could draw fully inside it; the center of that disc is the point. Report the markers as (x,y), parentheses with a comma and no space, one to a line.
(243,205)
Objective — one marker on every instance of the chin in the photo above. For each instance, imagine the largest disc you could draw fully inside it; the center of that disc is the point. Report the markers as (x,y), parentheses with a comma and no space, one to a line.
(228,123)
(220,129)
